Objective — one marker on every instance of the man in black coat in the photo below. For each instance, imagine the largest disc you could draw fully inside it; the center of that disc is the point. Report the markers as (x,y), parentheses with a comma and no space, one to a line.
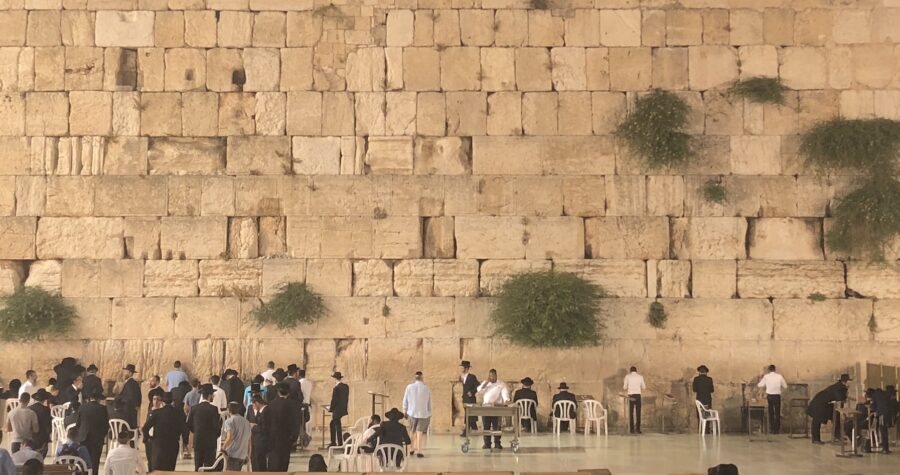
(71,394)
(259,434)
(391,431)
(41,439)
(470,389)
(66,372)
(525,392)
(205,423)
(131,391)
(293,382)
(233,387)
(154,401)
(91,382)
(564,395)
(283,419)
(167,424)
(340,398)
(703,387)
(93,425)
(821,407)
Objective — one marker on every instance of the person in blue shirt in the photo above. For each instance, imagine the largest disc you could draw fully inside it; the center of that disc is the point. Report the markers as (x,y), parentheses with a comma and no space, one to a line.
(72,447)
(255,387)
(175,376)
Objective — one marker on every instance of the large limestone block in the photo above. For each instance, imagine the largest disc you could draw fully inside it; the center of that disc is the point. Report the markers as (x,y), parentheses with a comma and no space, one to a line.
(171,278)
(756,155)
(554,238)
(329,237)
(702,319)
(414,278)
(490,237)
(243,238)
(785,238)
(440,241)
(421,69)
(80,238)
(533,69)
(455,278)
(372,277)
(46,275)
(799,279)
(420,317)
(14,156)
(397,238)
(258,155)
(620,27)
(205,317)
(415,195)
(584,196)
(317,155)
(272,237)
(142,238)
(70,196)
(472,317)
(442,156)
(353,317)
(270,196)
(183,156)
(673,279)
(131,196)
(712,67)
(619,278)
(12,275)
(194,238)
(713,279)
(494,273)
(874,279)
(125,29)
(31,195)
(93,318)
(231,278)
(630,69)
(803,67)
(331,277)
(829,320)
(709,238)
(685,27)
(543,155)
(278,272)
(121,278)
(389,156)
(887,317)
(627,237)
(161,114)
(143,318)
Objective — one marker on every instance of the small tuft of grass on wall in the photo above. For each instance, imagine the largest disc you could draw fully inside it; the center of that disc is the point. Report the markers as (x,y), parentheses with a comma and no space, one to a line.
(868,218)
(654,130)
(868,146)
(657,315)
(714,192)
(540,4)
(761,90)
(817,297)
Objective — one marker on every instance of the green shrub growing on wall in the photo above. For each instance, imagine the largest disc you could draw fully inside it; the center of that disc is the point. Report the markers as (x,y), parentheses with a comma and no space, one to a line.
(30,313)
(654,131)
(714,192)
(294,304)
(761,90)
(866,146)
(549,309)
(657,315)
(868,218)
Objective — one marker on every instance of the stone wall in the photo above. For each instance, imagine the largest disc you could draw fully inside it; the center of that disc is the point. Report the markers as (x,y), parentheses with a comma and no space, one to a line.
(166,164)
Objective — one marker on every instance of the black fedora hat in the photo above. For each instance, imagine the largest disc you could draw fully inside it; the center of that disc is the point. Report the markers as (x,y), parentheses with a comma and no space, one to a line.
(845,377)
(563,386)
(292,367)
(394,414)
(526,381)
(92,368)
(41,395)
(130,367)
(465,364)
(337,375)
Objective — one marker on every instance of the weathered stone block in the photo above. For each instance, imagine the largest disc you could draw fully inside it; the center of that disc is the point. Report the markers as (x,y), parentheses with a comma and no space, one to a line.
(466,113)
(830,320)
(887,317)
(46,275)
(389,155)
(533,69)
(431,114)
(455,278)
(713,279)
(789,279)
(170,278)
(440,239)
(45,114)
(194,238)
(554,238)
(70,196)
(494,273)
(131,196)
(272,237)
(460,69)
(142,238)
(370,112)
(243,238)
(126,156)
(185,69)
(630,69)
(91,113)
(545,29)
(874,279)
(620,27)
(205,317)
(441,156)
(80,238)
(194,156)
(258,155)
(121,278)
(14,33)
(540,113)
(400,113)
(373,277)
(785,238)
(619,278)
(31,195)
(421,69)
(420,317)
(490,237)
(684,27)
(712,67)
(670,68)
(126,29)
(414,278)
(629,237)
(231,278)
(498,71)
(161,114)
(331,277)
(756,155)
(317,155)
(140,318)
(543,155)
(709,238)
(626,195)
(803,68)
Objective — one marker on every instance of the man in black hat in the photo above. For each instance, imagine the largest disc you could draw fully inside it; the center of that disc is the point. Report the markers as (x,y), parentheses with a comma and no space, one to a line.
(71,394)
(702,385)
(131,391)
(564,395)
(284,427)
(66,372)
(259,434)
(154,401)
(278,375)
(470,389)
(392,431)
(206,425)
(293,382)
(41,408)
(340,397)
(233,387)
(162,431)
(821,407)
(91,382)
(93,425)
(525,392)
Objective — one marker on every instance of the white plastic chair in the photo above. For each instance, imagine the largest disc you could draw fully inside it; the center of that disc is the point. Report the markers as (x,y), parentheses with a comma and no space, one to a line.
(219,461)
(115,427)
(58,432)
(525,408)
(339,449)
(11,404)
(386,455)
(347,459)
(594,413)
(73,461)
(59,411)
(705,415)
(359,426)
(564,409)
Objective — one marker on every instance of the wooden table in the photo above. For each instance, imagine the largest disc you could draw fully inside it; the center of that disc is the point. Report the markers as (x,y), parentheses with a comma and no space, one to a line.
(325,413)
(379,400)
(472,410)
(852,413)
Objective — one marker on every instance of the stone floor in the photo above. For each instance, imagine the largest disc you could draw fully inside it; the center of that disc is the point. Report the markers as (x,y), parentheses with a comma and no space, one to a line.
(648,454)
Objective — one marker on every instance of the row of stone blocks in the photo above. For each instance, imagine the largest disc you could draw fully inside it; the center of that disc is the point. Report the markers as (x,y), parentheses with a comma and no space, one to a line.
(250,278)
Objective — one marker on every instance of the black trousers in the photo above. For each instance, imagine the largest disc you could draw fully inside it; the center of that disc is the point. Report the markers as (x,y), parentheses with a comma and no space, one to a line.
(774,412)
(337,434)
(491,423)
(634,413)
(15,447)
(472,421)
(884,430)
(95,450)
(164,456)
(259,453)
(149,453)
(204,454)
(278,459)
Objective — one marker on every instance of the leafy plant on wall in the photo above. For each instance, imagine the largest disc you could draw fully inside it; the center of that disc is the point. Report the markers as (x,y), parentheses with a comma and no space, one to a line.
(761,90)
(549,309)
(655,130)
(31,313)
(294,304)
(657,316)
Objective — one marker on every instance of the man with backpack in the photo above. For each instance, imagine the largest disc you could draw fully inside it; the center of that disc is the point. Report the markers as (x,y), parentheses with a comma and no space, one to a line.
(72,447)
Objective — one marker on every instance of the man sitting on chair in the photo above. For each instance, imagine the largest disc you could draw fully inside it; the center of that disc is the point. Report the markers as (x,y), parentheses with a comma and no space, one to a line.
(564,395)
(72,447)
(525,392)
(124,459)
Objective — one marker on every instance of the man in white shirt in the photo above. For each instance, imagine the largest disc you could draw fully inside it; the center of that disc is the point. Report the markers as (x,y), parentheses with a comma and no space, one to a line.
(306,387)
(496,393)
(634,384)
(270,370)
(30,385)
(417,407)
(774,384)
(124,459)
(220,400)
